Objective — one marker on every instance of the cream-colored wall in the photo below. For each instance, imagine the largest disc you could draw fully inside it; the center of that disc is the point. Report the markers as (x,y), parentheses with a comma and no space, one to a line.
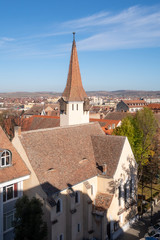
(74,116)
(31,187)
(68,223)
(122,174)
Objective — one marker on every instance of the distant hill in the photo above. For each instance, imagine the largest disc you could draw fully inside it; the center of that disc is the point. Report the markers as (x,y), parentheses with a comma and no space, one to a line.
(125,93)
(118,93)
(29,94)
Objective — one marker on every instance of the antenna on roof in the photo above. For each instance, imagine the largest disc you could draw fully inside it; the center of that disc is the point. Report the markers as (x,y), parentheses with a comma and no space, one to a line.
(74,36)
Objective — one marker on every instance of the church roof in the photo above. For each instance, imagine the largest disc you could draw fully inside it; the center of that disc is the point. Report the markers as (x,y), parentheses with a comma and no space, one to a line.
(61,156)
(74,90)
(66,156)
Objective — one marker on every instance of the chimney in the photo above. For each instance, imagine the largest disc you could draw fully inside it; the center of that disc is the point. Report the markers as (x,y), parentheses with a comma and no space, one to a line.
(104,168)
(17,131)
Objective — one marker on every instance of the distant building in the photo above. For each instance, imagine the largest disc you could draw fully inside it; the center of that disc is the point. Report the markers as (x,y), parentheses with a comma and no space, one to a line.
(130,105)
(43,110)
(107,125)
(152,100)
(155,107)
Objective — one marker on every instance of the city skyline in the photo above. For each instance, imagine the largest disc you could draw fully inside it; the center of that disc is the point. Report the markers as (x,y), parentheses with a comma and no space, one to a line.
(118,44)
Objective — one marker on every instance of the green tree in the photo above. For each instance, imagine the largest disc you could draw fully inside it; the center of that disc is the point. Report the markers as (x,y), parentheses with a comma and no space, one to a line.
(28,224)
(126,129)
(140,130)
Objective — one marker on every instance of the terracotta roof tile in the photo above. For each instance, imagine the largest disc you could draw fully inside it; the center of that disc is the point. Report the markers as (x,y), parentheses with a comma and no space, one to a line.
(74,90)
(18,167)
(154,106)
(106,124)
(134,101)
(39,122)
(68,151)
(103,201)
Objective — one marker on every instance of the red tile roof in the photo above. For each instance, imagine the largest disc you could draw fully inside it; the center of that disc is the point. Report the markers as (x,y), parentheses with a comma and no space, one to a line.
(154,106)
(103,201)
(39,122)
(106,124)
(18,168)
(134,101)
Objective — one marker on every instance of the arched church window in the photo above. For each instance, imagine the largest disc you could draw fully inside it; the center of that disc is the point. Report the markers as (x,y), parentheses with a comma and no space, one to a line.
(76,197)
(59,206)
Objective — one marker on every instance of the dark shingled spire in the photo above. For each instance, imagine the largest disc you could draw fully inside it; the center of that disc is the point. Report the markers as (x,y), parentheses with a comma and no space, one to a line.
(74,90)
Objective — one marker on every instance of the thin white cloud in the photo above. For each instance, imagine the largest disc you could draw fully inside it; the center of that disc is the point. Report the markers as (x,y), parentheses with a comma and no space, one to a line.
(135,27)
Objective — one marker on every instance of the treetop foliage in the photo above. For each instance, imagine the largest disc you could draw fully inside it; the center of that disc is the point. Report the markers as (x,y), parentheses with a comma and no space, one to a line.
(28,224)
(141,130)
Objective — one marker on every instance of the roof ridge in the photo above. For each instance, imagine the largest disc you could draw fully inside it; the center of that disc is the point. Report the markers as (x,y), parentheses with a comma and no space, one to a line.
(55,128)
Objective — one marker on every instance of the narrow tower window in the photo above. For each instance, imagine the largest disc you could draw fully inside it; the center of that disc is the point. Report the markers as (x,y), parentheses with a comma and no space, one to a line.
(72,107)
(77,106)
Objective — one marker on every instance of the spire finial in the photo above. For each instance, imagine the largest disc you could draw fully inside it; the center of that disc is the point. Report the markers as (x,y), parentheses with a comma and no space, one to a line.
(74,36)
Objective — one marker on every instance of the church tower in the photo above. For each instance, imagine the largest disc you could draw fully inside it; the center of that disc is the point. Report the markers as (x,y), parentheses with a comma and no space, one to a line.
(74,103)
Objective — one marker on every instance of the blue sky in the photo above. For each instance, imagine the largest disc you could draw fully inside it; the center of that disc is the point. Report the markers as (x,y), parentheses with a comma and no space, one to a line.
(118,43)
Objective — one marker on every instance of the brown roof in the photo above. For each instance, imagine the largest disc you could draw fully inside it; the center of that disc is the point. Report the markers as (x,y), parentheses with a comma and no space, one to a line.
(65,156)
(117,115)
(107,149)
(35,110)
(103,201)
(18,168)
(39,122)
(62,156)
(105,122)
(134,101)
(155,106)
(74,90)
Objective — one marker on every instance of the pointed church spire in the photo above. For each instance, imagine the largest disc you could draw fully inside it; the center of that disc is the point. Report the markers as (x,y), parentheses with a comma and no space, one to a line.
(74,90)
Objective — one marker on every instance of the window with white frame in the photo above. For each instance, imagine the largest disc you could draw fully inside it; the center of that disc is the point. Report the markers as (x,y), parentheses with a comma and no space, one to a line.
(59,206)
(10,192)
(8,219)
(6,158)
(72,107)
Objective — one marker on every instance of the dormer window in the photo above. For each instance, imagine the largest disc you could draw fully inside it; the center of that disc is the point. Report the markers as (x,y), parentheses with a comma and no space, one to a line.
(5,158)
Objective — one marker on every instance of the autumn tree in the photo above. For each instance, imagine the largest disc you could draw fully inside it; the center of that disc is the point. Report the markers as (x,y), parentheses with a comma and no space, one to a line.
(28,224)
(140,130)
